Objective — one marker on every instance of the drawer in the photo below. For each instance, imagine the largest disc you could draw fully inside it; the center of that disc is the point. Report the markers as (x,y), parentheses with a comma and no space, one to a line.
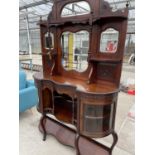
(102,99)
(63,89)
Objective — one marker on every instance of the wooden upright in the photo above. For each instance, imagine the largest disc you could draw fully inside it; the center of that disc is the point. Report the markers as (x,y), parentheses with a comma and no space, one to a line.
(86,99)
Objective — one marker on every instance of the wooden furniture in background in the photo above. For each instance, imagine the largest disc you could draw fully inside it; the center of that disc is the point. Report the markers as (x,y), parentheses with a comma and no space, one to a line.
(84,97)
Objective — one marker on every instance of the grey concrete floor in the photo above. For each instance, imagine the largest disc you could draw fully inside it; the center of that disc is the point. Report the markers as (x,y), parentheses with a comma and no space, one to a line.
(31,139)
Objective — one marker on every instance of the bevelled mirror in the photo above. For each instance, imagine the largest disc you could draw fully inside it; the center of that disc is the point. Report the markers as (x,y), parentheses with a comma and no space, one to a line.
(75,9)
(109,41)
(75,48)
(49,40)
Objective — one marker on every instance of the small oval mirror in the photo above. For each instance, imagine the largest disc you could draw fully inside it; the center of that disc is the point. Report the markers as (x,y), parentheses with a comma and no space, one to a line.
(109,41)
(49,40)
(75,48)
(75,9)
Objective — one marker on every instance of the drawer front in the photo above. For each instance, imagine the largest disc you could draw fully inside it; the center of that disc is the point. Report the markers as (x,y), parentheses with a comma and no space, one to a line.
(101,99)
(69,90)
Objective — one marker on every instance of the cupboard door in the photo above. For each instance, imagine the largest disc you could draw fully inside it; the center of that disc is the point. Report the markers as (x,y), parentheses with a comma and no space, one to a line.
(97,118)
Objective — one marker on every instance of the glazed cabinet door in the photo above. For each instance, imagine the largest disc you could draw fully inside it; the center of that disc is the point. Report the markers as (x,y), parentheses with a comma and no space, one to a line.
(97,115)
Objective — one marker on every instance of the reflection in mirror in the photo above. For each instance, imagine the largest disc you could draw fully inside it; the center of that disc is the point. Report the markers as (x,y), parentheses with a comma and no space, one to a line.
(75,9)
(109,41)
(49,40)
(75,48)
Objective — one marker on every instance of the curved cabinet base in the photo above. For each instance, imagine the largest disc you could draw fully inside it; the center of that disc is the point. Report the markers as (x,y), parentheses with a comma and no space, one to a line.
(70,137)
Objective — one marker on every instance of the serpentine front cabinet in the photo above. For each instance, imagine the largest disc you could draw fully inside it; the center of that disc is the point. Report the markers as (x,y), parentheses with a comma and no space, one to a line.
(82,51)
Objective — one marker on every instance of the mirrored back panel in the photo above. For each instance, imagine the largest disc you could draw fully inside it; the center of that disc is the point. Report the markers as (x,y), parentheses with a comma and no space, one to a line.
(109,41)
(75,9)
(75,48)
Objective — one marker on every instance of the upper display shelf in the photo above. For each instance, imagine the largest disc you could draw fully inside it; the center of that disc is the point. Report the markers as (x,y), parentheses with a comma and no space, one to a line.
(83,11)
(84,39)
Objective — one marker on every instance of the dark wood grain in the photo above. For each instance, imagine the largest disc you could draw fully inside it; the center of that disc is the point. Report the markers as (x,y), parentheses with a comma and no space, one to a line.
(88,99)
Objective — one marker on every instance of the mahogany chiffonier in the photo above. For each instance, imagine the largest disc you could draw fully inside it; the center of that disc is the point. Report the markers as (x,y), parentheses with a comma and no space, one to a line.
(82,52)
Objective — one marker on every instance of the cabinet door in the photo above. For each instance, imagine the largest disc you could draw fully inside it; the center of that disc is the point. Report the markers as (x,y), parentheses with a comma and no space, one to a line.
(97,119)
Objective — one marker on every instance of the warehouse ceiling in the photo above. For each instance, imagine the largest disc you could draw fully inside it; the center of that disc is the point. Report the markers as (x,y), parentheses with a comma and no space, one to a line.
(32,10)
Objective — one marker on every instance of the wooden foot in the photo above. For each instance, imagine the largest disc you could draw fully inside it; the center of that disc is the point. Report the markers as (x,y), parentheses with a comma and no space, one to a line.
(115,139)
(76,144)
(43,127)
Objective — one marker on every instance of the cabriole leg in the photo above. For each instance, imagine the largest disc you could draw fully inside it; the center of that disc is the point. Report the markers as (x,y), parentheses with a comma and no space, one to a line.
(43,127)
(115,139)
(76,144)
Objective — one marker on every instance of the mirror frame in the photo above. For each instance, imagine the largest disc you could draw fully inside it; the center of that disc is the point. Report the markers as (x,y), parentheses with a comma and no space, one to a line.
(102,32)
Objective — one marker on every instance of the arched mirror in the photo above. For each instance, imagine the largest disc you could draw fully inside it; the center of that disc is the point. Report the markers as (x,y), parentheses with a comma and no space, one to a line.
(49,40)
(109,41)
(75,9)
(75,48)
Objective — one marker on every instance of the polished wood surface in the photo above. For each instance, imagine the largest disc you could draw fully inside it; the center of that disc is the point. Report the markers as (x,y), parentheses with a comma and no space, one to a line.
(80,85)
(87,99)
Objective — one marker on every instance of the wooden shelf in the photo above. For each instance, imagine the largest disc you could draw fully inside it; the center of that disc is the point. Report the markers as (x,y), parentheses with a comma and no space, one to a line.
(97,117)
(53,127)
(99,59)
